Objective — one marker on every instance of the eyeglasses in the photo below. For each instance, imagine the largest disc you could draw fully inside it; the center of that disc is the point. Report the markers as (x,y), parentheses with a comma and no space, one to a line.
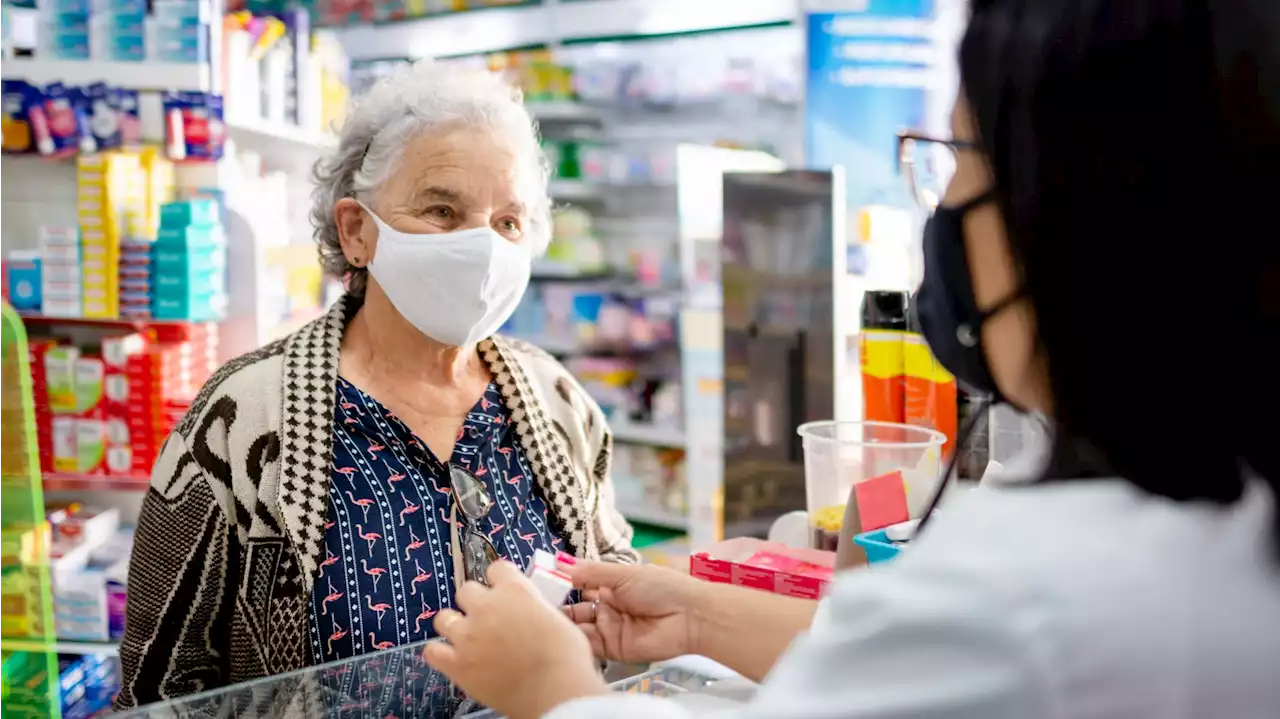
(928,164)
(473,500)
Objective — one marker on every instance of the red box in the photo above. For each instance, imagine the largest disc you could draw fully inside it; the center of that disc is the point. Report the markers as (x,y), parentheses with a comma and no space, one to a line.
(772,567)
(40,399)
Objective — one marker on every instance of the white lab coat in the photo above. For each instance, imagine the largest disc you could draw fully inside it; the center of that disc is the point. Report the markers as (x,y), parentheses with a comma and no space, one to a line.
(1075,599)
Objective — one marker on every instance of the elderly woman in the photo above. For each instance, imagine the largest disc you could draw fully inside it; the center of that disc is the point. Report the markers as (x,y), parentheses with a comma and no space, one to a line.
(325,494)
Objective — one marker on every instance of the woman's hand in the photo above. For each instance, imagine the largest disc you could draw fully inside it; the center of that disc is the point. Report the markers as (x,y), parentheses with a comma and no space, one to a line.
(511,651)
(633,613)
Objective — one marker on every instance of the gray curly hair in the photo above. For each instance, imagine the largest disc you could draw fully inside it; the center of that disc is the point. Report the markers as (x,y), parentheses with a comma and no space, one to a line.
(411,100)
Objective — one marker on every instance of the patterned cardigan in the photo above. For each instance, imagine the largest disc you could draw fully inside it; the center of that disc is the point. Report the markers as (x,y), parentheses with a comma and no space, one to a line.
(232,526)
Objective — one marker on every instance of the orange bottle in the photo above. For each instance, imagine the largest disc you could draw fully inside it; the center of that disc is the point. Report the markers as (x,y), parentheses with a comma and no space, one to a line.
(884,325)
(930,389)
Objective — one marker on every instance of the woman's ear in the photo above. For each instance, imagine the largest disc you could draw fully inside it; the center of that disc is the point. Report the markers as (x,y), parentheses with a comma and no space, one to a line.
(356,230)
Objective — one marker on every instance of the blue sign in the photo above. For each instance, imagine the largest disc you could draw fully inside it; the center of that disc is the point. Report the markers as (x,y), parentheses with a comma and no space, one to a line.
(869,75)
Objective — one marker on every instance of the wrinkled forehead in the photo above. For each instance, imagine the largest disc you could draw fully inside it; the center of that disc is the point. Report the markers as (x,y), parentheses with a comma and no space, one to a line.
(468,164)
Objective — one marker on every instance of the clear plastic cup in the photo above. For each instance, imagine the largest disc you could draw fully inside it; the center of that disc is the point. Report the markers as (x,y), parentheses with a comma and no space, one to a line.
(838,455)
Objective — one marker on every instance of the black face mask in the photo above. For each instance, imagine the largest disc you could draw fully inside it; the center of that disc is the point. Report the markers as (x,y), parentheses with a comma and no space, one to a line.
(948,313)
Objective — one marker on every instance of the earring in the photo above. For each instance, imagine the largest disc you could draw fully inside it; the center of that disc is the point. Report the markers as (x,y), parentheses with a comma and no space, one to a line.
(356,261)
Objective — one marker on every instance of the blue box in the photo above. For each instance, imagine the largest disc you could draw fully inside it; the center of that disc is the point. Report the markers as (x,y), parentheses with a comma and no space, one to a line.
(184,9)
(182,260)
(122,47)
(182,45)
(877,546)
(74,23)
(199,282)
(202,212)
(191,236)
(121,7)
(199,308)
(69,45)
(24,283)
(62,7)
(120,23)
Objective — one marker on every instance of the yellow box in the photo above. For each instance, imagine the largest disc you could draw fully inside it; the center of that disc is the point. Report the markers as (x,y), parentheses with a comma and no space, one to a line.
(98,281)
(105,296)
(93,237)
(93,222)
(106,233)
(91,205)
(100,272)
(94,250)
(92,161)
(101,310)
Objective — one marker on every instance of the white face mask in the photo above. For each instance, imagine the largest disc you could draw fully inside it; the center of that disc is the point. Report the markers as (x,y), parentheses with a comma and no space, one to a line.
(455,287)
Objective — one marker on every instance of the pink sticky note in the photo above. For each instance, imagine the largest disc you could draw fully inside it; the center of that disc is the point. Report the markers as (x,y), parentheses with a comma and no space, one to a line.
(882,501)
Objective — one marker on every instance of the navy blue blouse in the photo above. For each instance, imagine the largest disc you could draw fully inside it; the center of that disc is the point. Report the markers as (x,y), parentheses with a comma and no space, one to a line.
(388,567)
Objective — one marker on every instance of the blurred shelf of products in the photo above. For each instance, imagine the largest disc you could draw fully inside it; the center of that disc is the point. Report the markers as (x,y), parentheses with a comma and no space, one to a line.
(193,124)
(159,229)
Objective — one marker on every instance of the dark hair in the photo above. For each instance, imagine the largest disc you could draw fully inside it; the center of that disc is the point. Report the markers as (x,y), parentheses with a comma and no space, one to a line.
(1135,147)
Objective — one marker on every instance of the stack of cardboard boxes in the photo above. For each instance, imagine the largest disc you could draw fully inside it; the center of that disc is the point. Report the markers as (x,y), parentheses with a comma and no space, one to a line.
(111,202)
(109,410)
(188,262)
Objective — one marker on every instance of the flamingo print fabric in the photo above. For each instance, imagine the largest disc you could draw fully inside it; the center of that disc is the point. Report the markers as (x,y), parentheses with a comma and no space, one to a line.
(387,567)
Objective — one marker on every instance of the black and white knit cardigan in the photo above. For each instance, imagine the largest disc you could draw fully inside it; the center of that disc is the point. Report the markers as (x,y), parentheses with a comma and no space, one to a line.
(232,527)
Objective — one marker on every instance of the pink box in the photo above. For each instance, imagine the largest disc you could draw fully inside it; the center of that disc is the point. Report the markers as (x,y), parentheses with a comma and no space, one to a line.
(755,563)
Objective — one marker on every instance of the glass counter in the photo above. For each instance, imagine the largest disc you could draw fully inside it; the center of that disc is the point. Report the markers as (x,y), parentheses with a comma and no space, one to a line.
(394,683)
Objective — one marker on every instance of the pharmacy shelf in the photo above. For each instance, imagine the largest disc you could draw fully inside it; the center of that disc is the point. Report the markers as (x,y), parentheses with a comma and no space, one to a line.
(551,345)
(494,29)
(151,76)
(252,134)
(574,191)
(652,435)
(33,318)
(287,148)
(59,646)
(655,517)
(561,347)
(563,112)
(551,270)
(69,482)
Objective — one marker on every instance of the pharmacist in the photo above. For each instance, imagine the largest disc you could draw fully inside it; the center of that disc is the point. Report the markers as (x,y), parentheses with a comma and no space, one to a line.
(1137,574)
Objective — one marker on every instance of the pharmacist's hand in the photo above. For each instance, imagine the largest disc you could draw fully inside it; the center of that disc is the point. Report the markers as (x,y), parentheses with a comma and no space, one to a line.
(512,651)
(632,613)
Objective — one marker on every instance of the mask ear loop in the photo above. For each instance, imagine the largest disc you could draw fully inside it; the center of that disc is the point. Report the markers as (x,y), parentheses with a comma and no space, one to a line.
(980,411)
(968,336)
(968,333)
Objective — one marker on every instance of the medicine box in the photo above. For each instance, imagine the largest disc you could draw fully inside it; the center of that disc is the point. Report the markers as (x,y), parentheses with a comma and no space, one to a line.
(68,45)
(89,372)
(60,308)
(55,236)
(127,7)
(182,9)
(24,280)
(57,7)
(66,455)
(55,290)
(199,308)
(170,259)
(172,236)
(201,212)
(91,445)
(119,47)
(769,566)
(195,283)
(60,378)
